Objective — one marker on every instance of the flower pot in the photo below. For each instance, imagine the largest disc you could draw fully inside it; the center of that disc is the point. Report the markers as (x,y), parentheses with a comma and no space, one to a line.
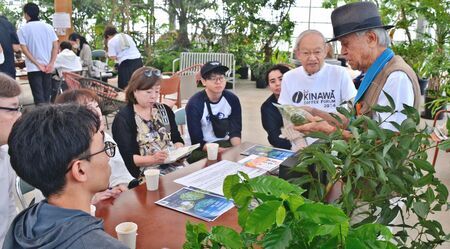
(261,83)
(423,85)
(243,72)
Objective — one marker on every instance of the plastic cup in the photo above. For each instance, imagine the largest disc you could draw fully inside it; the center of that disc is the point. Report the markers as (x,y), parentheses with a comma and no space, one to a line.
(126,232)
(93,209)
(212,149)
(152,179)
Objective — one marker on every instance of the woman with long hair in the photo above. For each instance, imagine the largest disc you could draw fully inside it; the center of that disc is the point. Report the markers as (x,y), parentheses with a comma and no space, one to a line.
(83,50)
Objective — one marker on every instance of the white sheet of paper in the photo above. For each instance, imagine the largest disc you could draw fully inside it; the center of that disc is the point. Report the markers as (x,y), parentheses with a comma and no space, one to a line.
(211,178)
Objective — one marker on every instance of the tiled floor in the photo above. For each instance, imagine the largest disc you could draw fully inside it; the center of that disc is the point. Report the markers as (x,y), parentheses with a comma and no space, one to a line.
(251,99)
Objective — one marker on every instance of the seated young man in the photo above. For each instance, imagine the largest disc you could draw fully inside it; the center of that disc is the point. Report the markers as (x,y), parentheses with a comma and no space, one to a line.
(60,150)
(213,115)
(10,111)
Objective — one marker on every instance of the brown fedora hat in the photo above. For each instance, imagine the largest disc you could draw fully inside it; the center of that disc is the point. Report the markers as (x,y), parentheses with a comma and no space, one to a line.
(355,17)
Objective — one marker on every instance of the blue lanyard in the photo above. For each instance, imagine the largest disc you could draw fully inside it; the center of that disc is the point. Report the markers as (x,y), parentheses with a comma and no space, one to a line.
(373,71)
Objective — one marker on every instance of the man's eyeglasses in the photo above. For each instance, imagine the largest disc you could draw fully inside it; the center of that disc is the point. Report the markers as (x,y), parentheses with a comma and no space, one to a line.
(12,109)
(217,78)
(307,54)
(110,150)
(154,72)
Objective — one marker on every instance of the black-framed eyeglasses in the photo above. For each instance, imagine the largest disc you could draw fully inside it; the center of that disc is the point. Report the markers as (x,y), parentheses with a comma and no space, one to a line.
(110,151)
(12,109)
(152,72)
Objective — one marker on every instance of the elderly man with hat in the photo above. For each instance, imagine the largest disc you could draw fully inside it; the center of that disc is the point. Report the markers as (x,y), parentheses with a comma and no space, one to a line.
(213,115)
(365,46)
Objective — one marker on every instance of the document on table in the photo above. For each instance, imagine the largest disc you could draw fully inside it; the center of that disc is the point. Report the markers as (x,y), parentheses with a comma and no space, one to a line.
(211,178)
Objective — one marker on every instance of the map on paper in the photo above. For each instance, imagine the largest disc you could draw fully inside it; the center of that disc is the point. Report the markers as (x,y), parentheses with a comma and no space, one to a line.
(198,203)
(211,178)
(267,151)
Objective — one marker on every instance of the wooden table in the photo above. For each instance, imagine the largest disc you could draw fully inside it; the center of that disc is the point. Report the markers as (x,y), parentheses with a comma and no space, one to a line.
(160,227)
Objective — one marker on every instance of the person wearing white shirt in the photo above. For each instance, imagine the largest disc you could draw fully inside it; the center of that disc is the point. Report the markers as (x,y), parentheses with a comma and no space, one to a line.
(39,43)
(315,84)
(122,48)
(2,56)
(10,111)
(366,48)
(67,60)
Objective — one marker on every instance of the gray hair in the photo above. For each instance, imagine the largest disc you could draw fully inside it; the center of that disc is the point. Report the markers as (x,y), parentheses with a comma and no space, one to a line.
(305,33)
(382,35)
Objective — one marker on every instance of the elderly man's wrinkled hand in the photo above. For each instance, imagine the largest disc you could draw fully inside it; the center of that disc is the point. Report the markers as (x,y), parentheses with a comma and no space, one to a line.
(316,124)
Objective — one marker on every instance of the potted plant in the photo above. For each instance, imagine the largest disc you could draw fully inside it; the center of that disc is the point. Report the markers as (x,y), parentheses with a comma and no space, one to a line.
(378,169)
(436,67)
(259,72)
(414,53)
(273,214)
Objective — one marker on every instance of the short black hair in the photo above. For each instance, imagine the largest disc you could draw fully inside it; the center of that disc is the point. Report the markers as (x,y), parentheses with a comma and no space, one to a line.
(32,10)
(280,67)
(44,141)
(65,45)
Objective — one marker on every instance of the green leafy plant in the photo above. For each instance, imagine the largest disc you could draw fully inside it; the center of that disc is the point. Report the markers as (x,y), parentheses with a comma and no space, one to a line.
(273,214)
(384,175)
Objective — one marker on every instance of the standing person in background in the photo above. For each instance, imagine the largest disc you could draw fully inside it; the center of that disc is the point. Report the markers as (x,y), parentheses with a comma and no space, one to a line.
(9,42)
(39,43)
(122,48)
(9,113)
(270,116)
(83,50)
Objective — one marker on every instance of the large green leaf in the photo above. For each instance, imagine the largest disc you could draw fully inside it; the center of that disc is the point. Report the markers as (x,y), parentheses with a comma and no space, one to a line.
(227,237)
(241,194)
(322,214)
(423,164)
(327,163)
(281,215)
(421,209)
(340,146)
(195,234)
(277,238)
(228,183)
(262,217)
(271,185)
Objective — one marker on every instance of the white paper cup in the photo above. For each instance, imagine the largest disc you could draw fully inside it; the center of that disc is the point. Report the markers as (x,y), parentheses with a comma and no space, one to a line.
(152,179)
(126,232)
(212,149)
(93,209)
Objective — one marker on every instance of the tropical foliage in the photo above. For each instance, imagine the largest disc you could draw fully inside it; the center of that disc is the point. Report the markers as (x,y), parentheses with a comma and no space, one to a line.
(273,214)
(384,175)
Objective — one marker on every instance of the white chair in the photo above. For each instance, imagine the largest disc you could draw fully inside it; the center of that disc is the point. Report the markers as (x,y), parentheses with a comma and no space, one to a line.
(23,188)
(187,59)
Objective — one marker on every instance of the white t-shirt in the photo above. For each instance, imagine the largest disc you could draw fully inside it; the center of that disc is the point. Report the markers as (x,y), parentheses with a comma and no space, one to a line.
(399,87)
(7,188)
(38,37)
(324,90)
(123,47)
(67,61)
(119,172)
(2,57)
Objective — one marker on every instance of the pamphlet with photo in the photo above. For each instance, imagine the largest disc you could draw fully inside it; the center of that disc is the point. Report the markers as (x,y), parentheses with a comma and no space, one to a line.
(198,203)
(267,151)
